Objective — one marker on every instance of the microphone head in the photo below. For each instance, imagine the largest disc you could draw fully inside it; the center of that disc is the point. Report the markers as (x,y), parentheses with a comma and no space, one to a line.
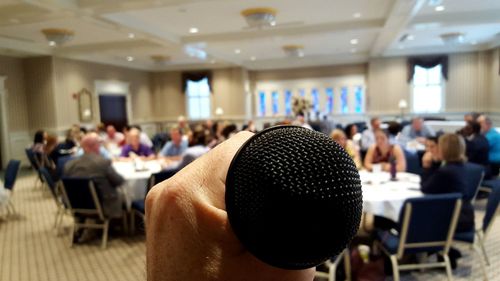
(293,197)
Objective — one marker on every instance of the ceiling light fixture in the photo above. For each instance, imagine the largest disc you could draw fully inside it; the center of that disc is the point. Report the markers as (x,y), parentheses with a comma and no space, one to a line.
(252,58)
(439,8)
(356,15)
(354,50)
(131,35)
(260,17)
(473,42)
(410,37)
(57,36)
(294,50)
(212,61)
(237,51)
(193,30)
(354,41)
(454,38)
(129,58)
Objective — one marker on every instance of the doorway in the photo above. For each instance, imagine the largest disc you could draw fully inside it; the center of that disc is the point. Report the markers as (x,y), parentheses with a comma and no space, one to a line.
(113,110)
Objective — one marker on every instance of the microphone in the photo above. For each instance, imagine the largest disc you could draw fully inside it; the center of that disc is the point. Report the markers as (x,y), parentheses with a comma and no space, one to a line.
(293,197)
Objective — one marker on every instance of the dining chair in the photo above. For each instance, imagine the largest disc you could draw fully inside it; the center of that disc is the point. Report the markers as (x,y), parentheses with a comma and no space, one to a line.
(138,206)
(474,177)
(332,265)
(56,195)
(35,164)
(10,178)
(83,201)
(477,238)
(426,224)
(412,162)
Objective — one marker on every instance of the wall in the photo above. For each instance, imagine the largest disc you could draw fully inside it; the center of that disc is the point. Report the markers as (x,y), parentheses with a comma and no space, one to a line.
(40,94)
(16,105)
(309,72)
(468,87)
(227,87)
(494,74)
(71,76)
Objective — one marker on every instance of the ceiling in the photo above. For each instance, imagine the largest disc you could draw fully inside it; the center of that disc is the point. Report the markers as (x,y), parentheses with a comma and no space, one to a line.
(326,29)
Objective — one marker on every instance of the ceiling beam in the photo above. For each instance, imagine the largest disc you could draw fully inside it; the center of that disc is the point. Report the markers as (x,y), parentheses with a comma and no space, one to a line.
(402,12)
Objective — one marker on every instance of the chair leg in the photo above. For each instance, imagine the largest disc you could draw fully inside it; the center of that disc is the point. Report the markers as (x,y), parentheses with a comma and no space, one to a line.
(395,269)
(72,233)
(332,271)
(448,267)
(480,241)
(125,223)
(347,264)
(132,223)
(481,262)
(105,234)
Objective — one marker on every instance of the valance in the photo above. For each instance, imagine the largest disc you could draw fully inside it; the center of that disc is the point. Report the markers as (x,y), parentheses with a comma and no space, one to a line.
(427,62)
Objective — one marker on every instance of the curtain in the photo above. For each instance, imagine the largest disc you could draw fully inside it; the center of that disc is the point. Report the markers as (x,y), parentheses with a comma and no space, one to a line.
(195,77)
(427,62)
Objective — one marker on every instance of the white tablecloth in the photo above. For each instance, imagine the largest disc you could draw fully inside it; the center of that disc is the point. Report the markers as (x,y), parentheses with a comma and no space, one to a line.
(136,181)
(384,197)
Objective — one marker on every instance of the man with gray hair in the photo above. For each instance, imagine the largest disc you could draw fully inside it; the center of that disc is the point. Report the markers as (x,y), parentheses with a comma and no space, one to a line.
(91,164)
(493,137)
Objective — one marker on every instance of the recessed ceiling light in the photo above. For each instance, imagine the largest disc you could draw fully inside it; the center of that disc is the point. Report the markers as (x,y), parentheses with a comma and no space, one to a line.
(252,58)
(473,42)
(439,8)
(301,55)
(212,61)
(354,50)
(131,35)
(52,43)
(410,37)
(130,58)
(193,30)
(237,51)
(356,15)
(354,41)
(273,23)
(401,47)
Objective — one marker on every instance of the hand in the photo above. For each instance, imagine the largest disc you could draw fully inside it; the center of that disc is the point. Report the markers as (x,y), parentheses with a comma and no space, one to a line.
(427,160)
(188,233)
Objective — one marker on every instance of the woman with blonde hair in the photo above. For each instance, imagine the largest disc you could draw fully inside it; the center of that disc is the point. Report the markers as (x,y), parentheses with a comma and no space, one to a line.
(451,177)
(340,137)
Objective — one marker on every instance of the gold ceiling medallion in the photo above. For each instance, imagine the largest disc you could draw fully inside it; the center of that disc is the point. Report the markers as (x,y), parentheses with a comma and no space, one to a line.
(260,17)
(57,36)
(294,50)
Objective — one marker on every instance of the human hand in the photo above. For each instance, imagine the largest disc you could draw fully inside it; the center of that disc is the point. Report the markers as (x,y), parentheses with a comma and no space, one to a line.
(187,228)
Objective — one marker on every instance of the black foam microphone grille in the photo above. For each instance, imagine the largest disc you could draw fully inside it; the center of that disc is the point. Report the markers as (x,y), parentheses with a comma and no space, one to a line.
(293,197)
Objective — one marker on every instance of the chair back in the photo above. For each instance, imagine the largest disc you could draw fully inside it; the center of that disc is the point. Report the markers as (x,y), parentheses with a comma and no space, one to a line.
(159,177)
(47,178)
(492,209)
(412,162)
(81,196)
(11,174)
(474,177)
(428,223)
(32,158)
(61,162)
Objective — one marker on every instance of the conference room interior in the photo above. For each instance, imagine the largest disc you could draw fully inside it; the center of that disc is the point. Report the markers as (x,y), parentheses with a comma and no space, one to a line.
(87,79)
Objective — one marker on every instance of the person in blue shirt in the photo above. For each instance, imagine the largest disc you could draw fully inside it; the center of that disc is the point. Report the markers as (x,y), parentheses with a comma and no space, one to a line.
(493,137)
(176,146)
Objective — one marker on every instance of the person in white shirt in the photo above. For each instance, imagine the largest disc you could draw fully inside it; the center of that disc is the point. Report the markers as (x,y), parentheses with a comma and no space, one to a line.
(368,136)
(113,138)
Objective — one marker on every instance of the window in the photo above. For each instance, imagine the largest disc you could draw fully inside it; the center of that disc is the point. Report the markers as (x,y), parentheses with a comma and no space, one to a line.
(329,100)
(344,105)
(262,104)
(275,100)
(315,100)
(302,92)
(358,99)
(198,99)
(288,102)
(427,90)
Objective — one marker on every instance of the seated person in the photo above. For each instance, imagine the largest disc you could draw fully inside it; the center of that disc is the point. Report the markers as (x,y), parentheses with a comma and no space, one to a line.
(417,130)
(65,148)
(340,137)
(431,158)
(368,135)
(493,137)
(113,138)
(134,147)
(91,164)
(102,150)
(382,152)
(174,148)
(476,145)
(198,148)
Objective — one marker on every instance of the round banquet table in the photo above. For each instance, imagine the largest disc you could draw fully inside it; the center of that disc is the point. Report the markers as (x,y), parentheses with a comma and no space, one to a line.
(136,181)
(383,197)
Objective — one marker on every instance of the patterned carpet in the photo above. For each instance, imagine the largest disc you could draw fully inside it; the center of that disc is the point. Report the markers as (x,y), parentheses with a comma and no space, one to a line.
(31,250)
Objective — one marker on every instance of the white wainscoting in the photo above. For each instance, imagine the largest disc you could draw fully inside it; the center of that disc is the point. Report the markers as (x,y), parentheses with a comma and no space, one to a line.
(19,141)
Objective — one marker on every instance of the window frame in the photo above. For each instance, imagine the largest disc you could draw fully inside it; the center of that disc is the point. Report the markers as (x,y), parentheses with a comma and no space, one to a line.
(442,94)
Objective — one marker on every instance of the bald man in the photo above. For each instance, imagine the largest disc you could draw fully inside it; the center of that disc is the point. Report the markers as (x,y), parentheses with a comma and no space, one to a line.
(92,164)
